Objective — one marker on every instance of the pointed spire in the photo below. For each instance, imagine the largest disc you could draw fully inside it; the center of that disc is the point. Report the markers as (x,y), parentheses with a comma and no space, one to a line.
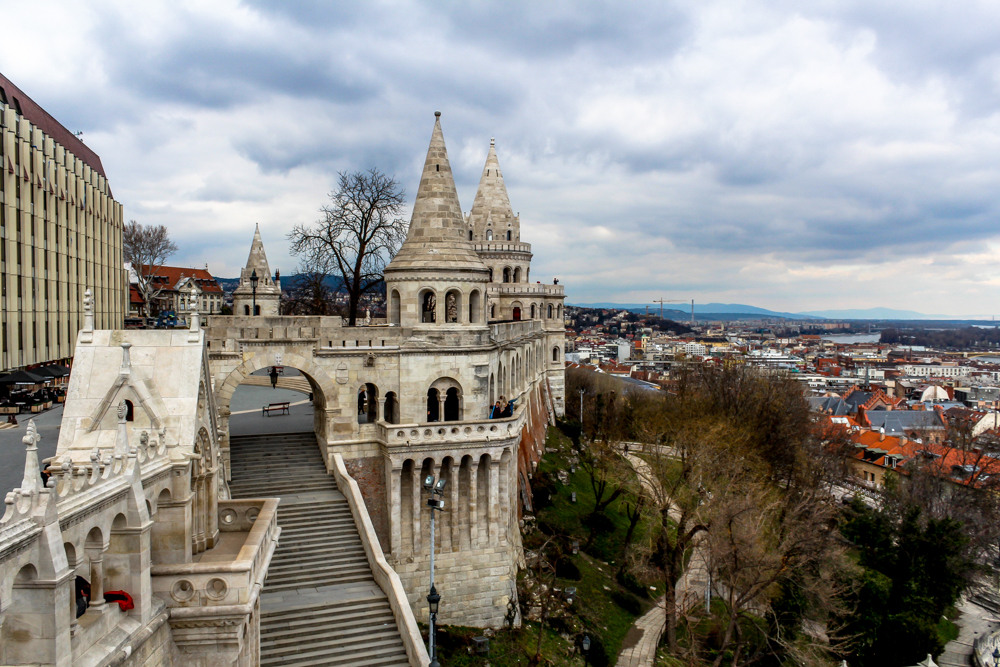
(492,203)
(437,234)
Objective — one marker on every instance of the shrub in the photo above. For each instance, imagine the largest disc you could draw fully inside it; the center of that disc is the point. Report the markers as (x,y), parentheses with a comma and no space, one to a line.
(628,602)
(633,585)
(567,569)
(599,522)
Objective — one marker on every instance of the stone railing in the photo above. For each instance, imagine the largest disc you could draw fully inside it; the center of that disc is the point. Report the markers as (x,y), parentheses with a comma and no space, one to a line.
(514,330)
(233,577)
(451,433)
(385,576)
(515,289)
(982,649)
(502,246)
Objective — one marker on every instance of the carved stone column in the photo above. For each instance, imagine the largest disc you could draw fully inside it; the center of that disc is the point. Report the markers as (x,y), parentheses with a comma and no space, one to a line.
(395,509)
(96,557)
(495,517)
(473,504)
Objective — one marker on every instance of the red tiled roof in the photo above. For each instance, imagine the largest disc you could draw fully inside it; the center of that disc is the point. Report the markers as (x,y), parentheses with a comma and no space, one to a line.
(135,296)
(167,277)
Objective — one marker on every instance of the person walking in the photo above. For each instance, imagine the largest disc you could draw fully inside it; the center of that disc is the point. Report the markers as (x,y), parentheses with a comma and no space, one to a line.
(274,377)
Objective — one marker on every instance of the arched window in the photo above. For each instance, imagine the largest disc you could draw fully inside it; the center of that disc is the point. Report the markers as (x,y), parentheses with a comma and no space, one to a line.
(394,307)
(493,311)
(428,307)
(452,306)
(452,405)
(470,234)
(506,274)
(491,275)
(508,235)
(517,274)
(391,409)
(246,310)
(489,234)
(555,354)
(129,411)
(256,310)
(474,306)
(532,311)
(516,316)
(368,404)
(433,405)
(550,311)
(559,311)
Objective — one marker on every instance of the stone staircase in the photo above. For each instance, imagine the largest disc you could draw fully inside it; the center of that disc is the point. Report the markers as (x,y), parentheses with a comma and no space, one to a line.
(320,604)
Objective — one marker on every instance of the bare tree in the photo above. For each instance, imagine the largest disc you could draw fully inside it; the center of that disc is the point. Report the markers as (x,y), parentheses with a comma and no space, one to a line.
(358,235)
(146,248)
(309,292)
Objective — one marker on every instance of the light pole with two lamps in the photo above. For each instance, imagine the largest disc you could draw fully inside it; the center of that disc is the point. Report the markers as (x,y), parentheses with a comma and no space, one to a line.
(436,504)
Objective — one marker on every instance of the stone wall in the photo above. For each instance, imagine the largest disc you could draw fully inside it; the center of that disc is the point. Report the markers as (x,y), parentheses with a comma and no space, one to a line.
(158,650)
(369,473)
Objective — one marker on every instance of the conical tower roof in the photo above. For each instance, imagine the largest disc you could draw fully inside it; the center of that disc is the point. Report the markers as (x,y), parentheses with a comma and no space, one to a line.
(436,239)
(492,202)
(257,259)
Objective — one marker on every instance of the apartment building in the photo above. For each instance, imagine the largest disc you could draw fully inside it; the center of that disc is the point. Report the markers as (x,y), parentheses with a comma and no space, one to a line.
(60,235)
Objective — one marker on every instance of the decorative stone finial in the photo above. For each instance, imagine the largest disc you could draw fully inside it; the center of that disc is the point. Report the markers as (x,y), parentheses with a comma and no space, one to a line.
(122,412)
(126,368)
(437,114)
(32,476)
(492,143)
(88,311)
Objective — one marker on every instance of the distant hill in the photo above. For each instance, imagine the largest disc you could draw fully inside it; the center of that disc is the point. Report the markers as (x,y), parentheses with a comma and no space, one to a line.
(875,314)
(700,309)
(229,284)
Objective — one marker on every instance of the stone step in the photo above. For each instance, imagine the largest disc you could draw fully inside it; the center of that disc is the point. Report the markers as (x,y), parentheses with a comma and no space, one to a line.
(329,652)
(319,549)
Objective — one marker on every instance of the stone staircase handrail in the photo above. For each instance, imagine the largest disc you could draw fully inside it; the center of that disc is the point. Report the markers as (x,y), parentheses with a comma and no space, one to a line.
(385,576)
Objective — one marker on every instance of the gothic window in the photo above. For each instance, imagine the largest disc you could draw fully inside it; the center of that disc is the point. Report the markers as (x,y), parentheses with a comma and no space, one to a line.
(489,234)
(470,234)
(555,354)
(428,307)
(508,235)
(474,306)
(506,274)
(394,307)
(493,311)
(550,311)
(517,314)
(517,274)
(532,311)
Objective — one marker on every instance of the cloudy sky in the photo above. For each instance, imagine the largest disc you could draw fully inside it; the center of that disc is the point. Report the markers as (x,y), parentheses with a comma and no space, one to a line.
(794,156)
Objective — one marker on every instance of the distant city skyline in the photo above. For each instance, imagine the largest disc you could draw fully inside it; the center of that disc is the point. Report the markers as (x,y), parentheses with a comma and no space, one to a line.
(794,157)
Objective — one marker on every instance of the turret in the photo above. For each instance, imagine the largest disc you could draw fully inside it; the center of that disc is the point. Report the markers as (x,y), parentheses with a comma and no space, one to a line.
(257,293)
(436,278)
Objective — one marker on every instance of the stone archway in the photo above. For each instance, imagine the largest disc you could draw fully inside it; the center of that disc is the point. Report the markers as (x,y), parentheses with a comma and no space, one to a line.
(323,387)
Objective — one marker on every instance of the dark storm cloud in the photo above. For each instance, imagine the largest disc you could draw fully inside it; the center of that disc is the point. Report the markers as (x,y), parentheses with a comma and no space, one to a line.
(710,143)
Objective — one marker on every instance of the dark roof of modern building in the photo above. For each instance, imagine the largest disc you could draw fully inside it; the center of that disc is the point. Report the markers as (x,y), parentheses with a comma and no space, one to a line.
(44,121)
(830,405)
(902,422)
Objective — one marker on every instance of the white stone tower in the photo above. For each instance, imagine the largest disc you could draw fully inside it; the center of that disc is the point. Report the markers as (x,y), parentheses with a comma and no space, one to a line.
(268,294)
(437,279)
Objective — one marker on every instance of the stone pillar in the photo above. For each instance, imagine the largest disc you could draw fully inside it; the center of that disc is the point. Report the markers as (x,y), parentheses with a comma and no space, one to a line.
(417,486)
(454,479)
(381,410)
(395,509)
(96,556)
(494,518)
(473,503)
(441,398)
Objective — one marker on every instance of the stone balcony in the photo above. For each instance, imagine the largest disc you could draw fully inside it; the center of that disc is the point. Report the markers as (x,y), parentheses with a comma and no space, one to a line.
(214,598)
(526,289)
(402,438)
(503,247)
(510,331)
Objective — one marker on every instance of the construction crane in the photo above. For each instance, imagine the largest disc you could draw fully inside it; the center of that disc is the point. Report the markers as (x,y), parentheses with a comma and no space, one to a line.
(663,301)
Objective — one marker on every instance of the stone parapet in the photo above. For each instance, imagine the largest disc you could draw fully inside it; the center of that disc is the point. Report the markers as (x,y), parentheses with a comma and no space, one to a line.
(503,247)
(526,289)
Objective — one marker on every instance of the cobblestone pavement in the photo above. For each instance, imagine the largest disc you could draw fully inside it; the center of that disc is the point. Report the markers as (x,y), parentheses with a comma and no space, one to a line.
(639,648)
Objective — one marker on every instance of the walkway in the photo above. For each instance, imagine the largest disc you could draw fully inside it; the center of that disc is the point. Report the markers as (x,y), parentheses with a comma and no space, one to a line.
(639,648)
(973,623)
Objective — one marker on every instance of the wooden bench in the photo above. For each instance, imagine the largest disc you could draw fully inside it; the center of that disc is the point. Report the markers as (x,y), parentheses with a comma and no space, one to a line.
(281,408)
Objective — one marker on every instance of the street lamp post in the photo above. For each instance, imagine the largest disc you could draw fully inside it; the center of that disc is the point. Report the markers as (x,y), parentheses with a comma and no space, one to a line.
(582,392)
(585,644)
(436,504)
(253,288)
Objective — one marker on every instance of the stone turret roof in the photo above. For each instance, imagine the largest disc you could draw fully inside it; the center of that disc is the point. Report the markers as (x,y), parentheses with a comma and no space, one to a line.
(436,239)
(257,261)
(491,202)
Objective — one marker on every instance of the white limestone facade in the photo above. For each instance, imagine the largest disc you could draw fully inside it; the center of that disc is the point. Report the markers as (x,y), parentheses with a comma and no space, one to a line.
(408,396)
(135,503)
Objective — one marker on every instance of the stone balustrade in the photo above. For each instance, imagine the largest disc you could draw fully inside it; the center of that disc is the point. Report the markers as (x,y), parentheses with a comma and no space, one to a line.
(983,647)
(232,572)
(509,331)
(502,246)
(451,433)
(518,289)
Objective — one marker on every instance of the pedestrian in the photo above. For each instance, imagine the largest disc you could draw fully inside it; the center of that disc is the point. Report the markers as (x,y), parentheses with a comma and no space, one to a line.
(274,377)
(626,449)
(495,411)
